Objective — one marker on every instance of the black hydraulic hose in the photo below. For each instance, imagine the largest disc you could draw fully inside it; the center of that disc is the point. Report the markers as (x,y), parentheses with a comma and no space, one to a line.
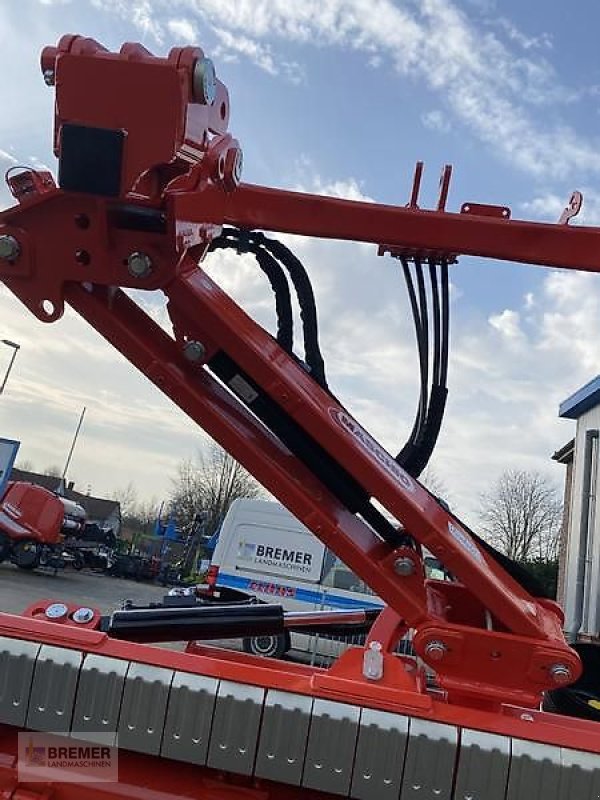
(306,301)
(302,286)
(419,453)
(418,304)
(517,572)
(445,323)
(424,340)
(279,285)
(429,433)
(437,323)
(424,448)
(412,296)
(283,300)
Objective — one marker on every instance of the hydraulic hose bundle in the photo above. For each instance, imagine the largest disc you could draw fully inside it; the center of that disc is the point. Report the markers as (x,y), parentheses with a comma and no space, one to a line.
(417,451)
(272,257)
(432,331)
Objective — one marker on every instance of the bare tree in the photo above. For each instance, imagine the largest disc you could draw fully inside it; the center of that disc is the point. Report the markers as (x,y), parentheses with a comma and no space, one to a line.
(127,498)
(53,471)
(208,487)
(521,515)
(146,514)
(188,495)
(138,517)
(431,479)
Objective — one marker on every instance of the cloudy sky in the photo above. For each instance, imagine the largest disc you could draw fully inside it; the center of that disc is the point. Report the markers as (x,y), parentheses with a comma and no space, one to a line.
(342,97)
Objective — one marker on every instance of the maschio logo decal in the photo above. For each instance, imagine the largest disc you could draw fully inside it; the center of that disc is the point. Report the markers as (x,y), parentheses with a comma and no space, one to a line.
(465,541)
(383,458)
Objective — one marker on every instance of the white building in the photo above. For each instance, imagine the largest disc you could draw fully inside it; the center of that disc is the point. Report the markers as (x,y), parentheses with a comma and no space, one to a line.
(580,557)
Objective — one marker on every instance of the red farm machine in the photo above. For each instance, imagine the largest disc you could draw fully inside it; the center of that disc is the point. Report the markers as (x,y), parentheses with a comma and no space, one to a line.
(149,184)
(31,522)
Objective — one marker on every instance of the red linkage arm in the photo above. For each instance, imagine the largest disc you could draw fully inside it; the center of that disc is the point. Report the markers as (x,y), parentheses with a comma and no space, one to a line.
(413,229)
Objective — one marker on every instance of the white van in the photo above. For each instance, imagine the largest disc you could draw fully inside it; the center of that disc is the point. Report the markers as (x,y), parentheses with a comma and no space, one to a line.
(265,551)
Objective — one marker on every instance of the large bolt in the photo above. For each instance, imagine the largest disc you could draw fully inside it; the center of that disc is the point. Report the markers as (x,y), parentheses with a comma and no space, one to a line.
(560,674)
(9,248)
(232,169)
(139,265)
(404,566)
(194,351)
(204,82)
(435,650)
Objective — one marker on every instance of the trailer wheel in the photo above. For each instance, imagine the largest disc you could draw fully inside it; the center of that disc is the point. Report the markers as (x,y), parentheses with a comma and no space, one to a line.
(26,554)
(274,646)
(4,547)
(78,562)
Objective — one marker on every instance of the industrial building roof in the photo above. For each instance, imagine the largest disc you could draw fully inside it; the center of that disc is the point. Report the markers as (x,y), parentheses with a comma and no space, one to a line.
(582,400)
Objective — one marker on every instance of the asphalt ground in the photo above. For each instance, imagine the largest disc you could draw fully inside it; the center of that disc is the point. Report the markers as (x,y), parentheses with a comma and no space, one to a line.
(21,588)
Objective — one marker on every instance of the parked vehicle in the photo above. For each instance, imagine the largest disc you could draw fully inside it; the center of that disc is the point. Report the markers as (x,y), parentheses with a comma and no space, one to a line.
(135,567)
(31,520)
(265,551)
(39,528)
(74,518)
(90,546)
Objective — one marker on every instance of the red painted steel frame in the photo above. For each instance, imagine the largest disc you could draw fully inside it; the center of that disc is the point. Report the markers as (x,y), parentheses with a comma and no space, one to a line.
(411,228)
(514,660)
(397,692)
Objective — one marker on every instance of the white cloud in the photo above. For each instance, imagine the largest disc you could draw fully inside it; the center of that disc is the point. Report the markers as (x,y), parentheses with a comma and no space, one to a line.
(508,323)
(436,120)
(184,30)
(347,189)
(542,41)
(548,207)
(484,83)
(529,300)
(257,53)
(232,45)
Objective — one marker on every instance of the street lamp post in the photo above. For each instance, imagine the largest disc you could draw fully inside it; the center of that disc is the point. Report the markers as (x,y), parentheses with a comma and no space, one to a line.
(15,348)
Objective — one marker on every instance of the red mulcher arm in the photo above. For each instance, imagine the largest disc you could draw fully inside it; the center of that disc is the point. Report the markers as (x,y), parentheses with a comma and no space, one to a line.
(148,175)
